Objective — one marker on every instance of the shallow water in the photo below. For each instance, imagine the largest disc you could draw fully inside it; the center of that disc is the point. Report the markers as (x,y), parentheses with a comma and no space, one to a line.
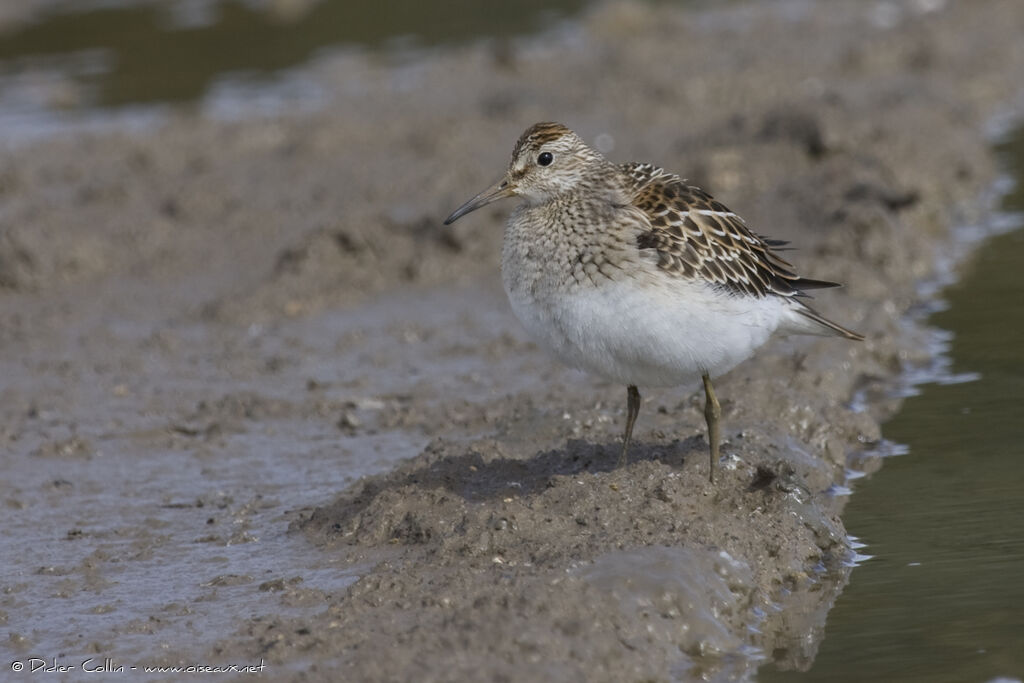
(943,597)
(152,516)
(128,52)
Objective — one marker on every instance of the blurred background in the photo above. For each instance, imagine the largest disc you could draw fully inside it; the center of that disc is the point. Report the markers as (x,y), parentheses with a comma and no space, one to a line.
(224,56)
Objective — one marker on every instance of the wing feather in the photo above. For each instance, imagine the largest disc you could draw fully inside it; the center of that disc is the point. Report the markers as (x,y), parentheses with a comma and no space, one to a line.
(693,235)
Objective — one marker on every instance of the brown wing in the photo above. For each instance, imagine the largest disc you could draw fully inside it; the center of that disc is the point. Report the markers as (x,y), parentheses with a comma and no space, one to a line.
(695,236)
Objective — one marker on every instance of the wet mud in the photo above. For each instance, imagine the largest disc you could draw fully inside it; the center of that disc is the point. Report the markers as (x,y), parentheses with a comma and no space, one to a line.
(259,405)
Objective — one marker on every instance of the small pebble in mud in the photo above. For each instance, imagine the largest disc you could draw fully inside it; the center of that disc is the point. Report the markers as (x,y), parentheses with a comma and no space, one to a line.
(349,421)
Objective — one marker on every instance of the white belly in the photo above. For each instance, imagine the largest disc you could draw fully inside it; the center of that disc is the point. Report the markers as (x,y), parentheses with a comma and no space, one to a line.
(663,335)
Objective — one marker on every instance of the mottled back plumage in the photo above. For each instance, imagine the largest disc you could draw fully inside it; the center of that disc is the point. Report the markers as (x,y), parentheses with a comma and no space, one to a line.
(696,236)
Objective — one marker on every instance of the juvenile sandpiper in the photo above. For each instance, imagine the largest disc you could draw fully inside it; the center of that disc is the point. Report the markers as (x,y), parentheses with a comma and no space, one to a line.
(625,271)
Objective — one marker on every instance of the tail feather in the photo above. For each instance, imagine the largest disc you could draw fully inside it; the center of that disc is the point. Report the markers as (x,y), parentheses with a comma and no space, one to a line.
(807,283)
(815,323)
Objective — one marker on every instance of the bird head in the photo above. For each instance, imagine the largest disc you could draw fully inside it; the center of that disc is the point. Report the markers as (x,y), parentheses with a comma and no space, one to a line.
(548,160)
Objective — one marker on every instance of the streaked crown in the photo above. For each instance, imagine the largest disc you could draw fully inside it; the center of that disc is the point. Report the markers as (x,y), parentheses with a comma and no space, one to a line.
(549,159)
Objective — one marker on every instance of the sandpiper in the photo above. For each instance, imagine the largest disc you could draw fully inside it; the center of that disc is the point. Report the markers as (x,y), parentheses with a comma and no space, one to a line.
(625,271)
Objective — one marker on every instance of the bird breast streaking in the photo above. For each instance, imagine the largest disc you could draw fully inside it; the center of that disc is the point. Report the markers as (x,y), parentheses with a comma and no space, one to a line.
(625,271)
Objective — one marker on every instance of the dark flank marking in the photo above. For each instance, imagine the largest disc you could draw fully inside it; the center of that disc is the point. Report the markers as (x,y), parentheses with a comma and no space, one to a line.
(648,240)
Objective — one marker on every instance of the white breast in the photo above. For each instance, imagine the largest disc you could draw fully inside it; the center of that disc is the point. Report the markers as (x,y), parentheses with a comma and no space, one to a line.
(660,331)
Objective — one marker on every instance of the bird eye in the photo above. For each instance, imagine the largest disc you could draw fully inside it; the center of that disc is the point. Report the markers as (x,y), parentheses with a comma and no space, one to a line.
(545,159)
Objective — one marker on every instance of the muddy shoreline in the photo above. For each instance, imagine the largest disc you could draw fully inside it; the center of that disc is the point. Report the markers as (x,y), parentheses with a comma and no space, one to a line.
(244,363)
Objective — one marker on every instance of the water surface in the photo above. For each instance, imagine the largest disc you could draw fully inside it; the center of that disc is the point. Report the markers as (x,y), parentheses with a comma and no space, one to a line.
(943,598)
(126,52)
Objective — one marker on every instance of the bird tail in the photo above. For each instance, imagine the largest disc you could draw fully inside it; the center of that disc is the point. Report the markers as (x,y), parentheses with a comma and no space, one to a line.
(808,321)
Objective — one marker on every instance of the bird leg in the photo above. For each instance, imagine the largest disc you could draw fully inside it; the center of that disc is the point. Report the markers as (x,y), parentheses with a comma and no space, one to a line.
(632,410)
(712,411)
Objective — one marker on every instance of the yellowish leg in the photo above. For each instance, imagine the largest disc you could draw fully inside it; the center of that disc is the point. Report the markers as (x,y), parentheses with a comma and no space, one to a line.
(712,411)
(632,410)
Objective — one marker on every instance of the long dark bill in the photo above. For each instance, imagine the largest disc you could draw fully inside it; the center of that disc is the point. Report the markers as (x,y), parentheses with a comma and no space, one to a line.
(498,190)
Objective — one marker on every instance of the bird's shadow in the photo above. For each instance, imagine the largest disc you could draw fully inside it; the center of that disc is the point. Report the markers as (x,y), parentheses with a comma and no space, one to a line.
(478,478)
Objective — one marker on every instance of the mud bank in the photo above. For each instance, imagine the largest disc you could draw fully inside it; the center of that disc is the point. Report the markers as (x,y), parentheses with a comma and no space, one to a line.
(212,330)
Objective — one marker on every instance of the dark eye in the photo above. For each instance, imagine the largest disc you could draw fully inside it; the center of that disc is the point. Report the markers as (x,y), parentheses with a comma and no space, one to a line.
(545,159)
